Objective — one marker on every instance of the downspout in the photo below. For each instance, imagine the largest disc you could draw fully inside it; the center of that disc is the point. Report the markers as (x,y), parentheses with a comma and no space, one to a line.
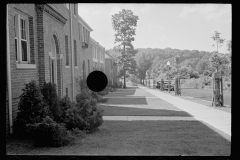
(72,52)
(9,78)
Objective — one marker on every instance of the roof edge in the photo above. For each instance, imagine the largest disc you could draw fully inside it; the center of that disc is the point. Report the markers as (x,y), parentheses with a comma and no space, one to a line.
(84,23)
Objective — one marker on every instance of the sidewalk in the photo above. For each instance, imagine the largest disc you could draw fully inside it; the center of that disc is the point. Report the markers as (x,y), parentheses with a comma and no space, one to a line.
(218,119)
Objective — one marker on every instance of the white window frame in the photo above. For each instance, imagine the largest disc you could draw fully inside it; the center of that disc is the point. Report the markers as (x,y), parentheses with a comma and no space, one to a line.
(19,62)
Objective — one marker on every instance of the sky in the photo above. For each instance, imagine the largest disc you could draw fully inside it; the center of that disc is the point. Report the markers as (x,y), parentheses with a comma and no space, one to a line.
(178,26)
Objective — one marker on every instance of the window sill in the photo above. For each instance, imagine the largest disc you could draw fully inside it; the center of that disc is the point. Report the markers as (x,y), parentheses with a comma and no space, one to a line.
(67,67)
(22,65)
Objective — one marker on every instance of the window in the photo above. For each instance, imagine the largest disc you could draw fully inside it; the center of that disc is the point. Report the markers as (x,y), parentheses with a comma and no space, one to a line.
(75,52)
(82,34)
(96,53)
(67,92)
(16,37)
(66,47)
(22,48)
(79,29)
(74,9)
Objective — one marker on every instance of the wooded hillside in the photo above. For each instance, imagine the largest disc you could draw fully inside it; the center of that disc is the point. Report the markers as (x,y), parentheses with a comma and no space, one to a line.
(192,63)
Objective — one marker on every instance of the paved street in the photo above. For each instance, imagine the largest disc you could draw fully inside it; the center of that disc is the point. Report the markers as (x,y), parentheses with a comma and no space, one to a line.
(143,97)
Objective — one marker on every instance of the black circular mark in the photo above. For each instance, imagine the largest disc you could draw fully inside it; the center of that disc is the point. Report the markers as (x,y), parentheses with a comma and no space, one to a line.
(97,81)
(14,158)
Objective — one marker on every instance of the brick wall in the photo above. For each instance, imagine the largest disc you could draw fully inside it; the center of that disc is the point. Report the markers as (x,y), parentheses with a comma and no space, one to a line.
(20,76)
(43,27)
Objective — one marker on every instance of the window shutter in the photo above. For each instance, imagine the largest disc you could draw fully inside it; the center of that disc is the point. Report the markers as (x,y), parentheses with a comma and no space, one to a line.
(31,38)
(66,47)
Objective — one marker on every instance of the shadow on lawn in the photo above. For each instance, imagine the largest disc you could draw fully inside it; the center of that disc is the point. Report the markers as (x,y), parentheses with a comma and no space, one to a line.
(141,100)
(126,91)
(130,111)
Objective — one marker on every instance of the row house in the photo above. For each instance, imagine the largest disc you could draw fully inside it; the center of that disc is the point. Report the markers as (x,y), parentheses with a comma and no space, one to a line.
(111,69)
(45,43)
(98,56)
(84,37)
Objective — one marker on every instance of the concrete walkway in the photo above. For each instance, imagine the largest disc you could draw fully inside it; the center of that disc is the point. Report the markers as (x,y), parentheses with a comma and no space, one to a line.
(216,118)
(147,118)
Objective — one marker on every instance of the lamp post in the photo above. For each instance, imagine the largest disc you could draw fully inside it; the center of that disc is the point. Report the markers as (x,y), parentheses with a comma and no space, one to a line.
(168,64)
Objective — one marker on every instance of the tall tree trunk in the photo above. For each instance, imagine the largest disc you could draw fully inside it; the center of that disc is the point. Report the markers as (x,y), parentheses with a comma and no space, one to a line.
(124,85)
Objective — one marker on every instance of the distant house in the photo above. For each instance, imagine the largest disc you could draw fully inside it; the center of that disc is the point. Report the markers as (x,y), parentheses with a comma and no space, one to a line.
(111,69)
(86,48)
(98,54)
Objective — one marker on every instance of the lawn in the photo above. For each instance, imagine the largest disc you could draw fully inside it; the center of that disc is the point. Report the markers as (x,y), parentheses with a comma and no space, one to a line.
(129,111)
(205,94)
(139,138)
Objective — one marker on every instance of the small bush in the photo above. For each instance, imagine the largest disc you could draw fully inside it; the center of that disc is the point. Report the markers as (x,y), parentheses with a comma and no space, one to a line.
(31,109)
(65,104)
(193,83)
(91,114)
(98,97)
(86,115)
(207,81)
(49,93)
(103,92)
(52,134)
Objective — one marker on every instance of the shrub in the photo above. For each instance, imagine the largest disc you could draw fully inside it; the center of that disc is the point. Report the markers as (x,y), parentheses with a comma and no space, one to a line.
(78,133)
(49,93)
(65,104)
(91,114)
(207,81)
(73,118)
(31,109)
(193,83)
(50,133)
(103,92)
(98,97)
(86,115)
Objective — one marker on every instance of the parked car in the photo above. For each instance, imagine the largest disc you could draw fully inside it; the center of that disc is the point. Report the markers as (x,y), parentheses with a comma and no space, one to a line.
(165,85)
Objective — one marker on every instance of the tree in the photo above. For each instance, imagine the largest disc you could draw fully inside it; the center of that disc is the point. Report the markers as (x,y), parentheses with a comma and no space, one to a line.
(218,61)
(229,45)
(202,65)
(124,24)
(216,37)
(143,64)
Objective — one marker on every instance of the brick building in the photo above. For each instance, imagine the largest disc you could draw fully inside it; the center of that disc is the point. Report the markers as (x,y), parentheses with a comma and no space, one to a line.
(98,56)
(45,43)
(111,69)
(86,60)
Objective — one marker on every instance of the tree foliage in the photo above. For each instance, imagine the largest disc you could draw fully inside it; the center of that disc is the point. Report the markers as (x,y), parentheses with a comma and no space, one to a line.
(124,23)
